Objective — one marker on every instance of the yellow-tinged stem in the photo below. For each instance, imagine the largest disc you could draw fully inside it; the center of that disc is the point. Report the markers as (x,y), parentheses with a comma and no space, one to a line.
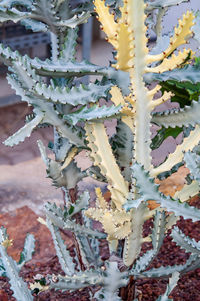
(166,96)
(153,91)
(181,34)
(188,191)
(136,19)
(117,98)
(103,157)
(107,20)
(170,63)
(176,157)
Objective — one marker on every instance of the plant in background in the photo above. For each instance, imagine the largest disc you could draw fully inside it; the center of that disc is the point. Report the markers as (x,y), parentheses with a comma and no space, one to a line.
(123,161)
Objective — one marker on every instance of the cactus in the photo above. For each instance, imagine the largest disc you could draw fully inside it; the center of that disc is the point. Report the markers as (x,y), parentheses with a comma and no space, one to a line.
(124,161)
(11,268)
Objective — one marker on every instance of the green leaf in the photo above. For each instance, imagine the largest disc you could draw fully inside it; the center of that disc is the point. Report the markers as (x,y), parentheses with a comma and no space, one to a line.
(165,271)
(162,134)
(12,15)
(77,281)
(56,215)
(185,242)
(11,3)
(122,144)
(189,115)
(172,283)
(72,68)
(81,203)
(163,3)
(184,92)
(94,113)
(24,132)
(196,27)
(80,95)
(192,162)
(34,25)
(75,20)
(66,261)
(71,210)
(29,247)
(68,48)
(2,269)
(157,236)
(17,285)
(190,73)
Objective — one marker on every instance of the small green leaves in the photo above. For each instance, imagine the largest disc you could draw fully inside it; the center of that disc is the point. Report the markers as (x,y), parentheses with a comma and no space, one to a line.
(71,210)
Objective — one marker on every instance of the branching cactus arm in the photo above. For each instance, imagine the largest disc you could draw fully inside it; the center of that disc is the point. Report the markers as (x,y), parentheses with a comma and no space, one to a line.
(186,243)
(63,254)
(157,236)
(103,157)
(172,283)
(19,287)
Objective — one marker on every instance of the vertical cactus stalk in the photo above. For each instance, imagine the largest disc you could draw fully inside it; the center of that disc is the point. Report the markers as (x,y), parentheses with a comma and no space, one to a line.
(135,19)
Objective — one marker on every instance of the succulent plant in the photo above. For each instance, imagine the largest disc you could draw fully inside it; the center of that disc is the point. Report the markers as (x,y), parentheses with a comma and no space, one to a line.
(124,161)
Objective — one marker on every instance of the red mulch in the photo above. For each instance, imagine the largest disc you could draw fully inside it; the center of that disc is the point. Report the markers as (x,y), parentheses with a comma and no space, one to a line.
(188,288)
